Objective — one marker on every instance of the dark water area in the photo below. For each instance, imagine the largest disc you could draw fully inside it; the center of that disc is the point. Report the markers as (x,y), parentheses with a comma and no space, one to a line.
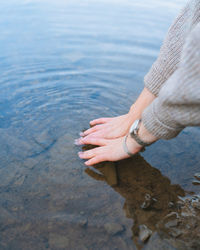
(62,64)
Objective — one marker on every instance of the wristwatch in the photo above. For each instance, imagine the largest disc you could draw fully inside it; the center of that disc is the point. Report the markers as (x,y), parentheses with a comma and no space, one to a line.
(134,129)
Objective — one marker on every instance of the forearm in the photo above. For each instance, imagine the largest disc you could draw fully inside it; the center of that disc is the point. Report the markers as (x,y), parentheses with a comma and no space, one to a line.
(144,100)
(178,103)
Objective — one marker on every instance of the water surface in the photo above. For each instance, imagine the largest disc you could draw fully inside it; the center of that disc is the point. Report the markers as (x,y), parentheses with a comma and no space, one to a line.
(62,64)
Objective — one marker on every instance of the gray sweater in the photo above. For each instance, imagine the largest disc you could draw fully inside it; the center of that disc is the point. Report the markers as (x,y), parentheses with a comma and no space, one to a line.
(175,78)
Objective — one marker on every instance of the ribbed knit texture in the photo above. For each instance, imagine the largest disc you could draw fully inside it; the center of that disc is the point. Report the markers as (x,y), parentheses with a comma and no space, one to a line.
(170,52)
(178,86)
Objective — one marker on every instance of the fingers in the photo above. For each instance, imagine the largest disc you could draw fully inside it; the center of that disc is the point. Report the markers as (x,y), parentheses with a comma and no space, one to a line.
(100,121)
(87,154)
(94,160)
(90,130)
(102,133)
(92,140)
(94,155)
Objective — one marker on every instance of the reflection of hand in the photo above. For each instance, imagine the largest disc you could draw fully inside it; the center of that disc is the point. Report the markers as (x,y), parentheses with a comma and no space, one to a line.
(149,196)
(109,150)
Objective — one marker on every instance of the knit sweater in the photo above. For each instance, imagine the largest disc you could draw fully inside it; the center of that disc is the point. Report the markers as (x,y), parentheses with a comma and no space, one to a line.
(175,78)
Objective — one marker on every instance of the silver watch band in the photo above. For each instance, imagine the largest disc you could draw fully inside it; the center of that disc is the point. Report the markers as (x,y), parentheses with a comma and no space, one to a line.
(139,141)
(126,148)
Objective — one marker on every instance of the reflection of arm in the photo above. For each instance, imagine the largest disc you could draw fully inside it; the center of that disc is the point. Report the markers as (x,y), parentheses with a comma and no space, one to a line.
(169,57)
(178,103)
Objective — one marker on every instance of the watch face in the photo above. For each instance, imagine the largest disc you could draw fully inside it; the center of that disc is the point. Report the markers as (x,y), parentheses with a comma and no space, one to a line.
(134,127)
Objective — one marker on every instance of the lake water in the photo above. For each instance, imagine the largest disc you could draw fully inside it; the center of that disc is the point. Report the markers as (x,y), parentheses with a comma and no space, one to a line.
(62,64)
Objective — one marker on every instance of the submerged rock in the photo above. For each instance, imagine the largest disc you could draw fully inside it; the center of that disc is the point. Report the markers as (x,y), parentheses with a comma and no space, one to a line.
(157,243)
(197,176)
(172,215)
(195,202)
(144,233)
(170,204)
(148,201)
(113,228)
(175,232)
(172,223)
(191,223)
(83,222)
(196,182)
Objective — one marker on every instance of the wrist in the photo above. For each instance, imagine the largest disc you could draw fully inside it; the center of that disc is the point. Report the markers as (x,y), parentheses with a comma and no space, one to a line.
(137,138)
(145,135)
(131,147)
(132,109)
(140,134)
(144,100)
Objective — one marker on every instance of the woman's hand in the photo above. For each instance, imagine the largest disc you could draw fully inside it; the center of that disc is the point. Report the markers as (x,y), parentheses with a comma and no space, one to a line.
(112,150)
(108,134)
(116,127)
(109,150)
(110,128)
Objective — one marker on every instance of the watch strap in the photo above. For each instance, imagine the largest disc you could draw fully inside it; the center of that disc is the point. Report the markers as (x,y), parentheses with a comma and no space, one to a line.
(126,148)
(139,141)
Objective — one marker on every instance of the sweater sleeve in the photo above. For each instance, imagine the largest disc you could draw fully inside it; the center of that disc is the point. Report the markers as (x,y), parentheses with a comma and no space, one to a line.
(178,103)
(169,56)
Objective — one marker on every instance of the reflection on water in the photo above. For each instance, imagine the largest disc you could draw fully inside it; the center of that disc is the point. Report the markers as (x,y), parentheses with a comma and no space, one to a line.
(152,202)
(62,64)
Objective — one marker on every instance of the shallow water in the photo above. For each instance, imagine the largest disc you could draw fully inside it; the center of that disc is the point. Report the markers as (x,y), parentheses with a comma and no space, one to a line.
(62,64)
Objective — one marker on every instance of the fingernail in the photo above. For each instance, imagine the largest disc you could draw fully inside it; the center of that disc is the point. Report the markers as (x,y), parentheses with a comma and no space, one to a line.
(81,133)
(80,154)
(78,142)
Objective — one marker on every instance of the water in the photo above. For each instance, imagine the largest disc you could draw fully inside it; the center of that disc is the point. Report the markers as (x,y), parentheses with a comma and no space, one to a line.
(62,64)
